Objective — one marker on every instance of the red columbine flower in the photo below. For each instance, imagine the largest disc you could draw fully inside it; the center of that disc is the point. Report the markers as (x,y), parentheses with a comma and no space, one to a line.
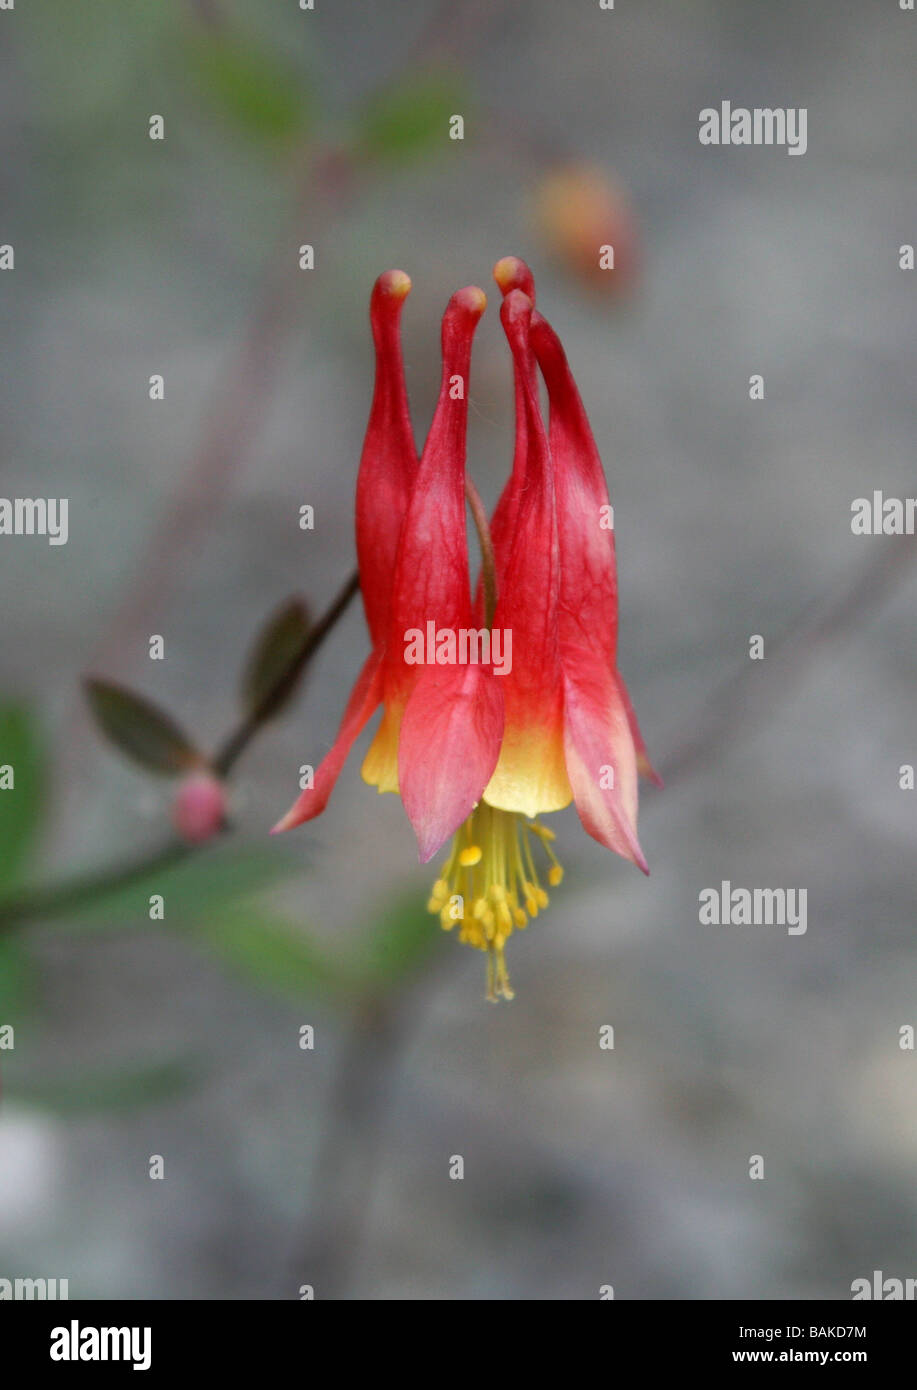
(477,750)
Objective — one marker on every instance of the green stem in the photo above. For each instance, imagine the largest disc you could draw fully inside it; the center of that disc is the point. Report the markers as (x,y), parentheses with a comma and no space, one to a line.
(235,744)
(58,898)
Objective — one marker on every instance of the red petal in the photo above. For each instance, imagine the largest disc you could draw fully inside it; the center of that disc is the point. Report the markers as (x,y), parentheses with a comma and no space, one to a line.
(511,274)
(588,586)
(450,739)
(530,775)
(588,608)
(364,698)
(644,766)
(388,465)
(597,737)
(432,578)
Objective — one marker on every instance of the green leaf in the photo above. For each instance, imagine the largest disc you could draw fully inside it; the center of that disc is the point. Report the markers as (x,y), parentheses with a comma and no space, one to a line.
(412,117)
(21,802)
(403,937)
(277,660)
(16,975)
(257,91)
(272,952)
(193,887)
(140,729)
(125,1089)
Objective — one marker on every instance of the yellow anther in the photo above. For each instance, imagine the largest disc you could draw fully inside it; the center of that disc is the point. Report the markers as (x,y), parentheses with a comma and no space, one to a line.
(492,870)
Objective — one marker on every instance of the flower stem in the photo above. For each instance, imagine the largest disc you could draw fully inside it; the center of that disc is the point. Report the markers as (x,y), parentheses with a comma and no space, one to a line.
(55,899)
(235,744)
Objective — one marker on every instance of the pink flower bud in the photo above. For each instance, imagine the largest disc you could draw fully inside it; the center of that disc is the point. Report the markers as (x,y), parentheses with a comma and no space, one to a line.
(199,808)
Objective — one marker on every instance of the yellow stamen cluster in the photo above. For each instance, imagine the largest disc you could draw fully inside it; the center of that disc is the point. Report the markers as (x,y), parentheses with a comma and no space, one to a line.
(490,885)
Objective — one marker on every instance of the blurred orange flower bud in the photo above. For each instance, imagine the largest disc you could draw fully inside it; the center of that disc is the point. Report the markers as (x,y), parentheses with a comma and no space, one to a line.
(199,808)
(588,223)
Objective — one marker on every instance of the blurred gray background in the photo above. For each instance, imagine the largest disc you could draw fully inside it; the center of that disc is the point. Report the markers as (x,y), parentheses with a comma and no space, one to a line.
(583,1167)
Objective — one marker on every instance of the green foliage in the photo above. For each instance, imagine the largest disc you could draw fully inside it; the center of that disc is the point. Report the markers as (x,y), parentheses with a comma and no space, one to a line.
(123,1089)
(210,896)
(271,952)
(21,804)
(255,90)
(276,661)
(412,118)
(196,886)
(15,983)
(400,941)
(279,955)
(141,730)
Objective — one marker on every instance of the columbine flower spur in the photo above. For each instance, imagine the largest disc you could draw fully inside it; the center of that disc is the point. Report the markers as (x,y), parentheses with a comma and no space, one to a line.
(480,747)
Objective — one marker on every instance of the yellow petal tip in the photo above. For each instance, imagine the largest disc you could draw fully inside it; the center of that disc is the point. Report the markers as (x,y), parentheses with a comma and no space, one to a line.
(395,283)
